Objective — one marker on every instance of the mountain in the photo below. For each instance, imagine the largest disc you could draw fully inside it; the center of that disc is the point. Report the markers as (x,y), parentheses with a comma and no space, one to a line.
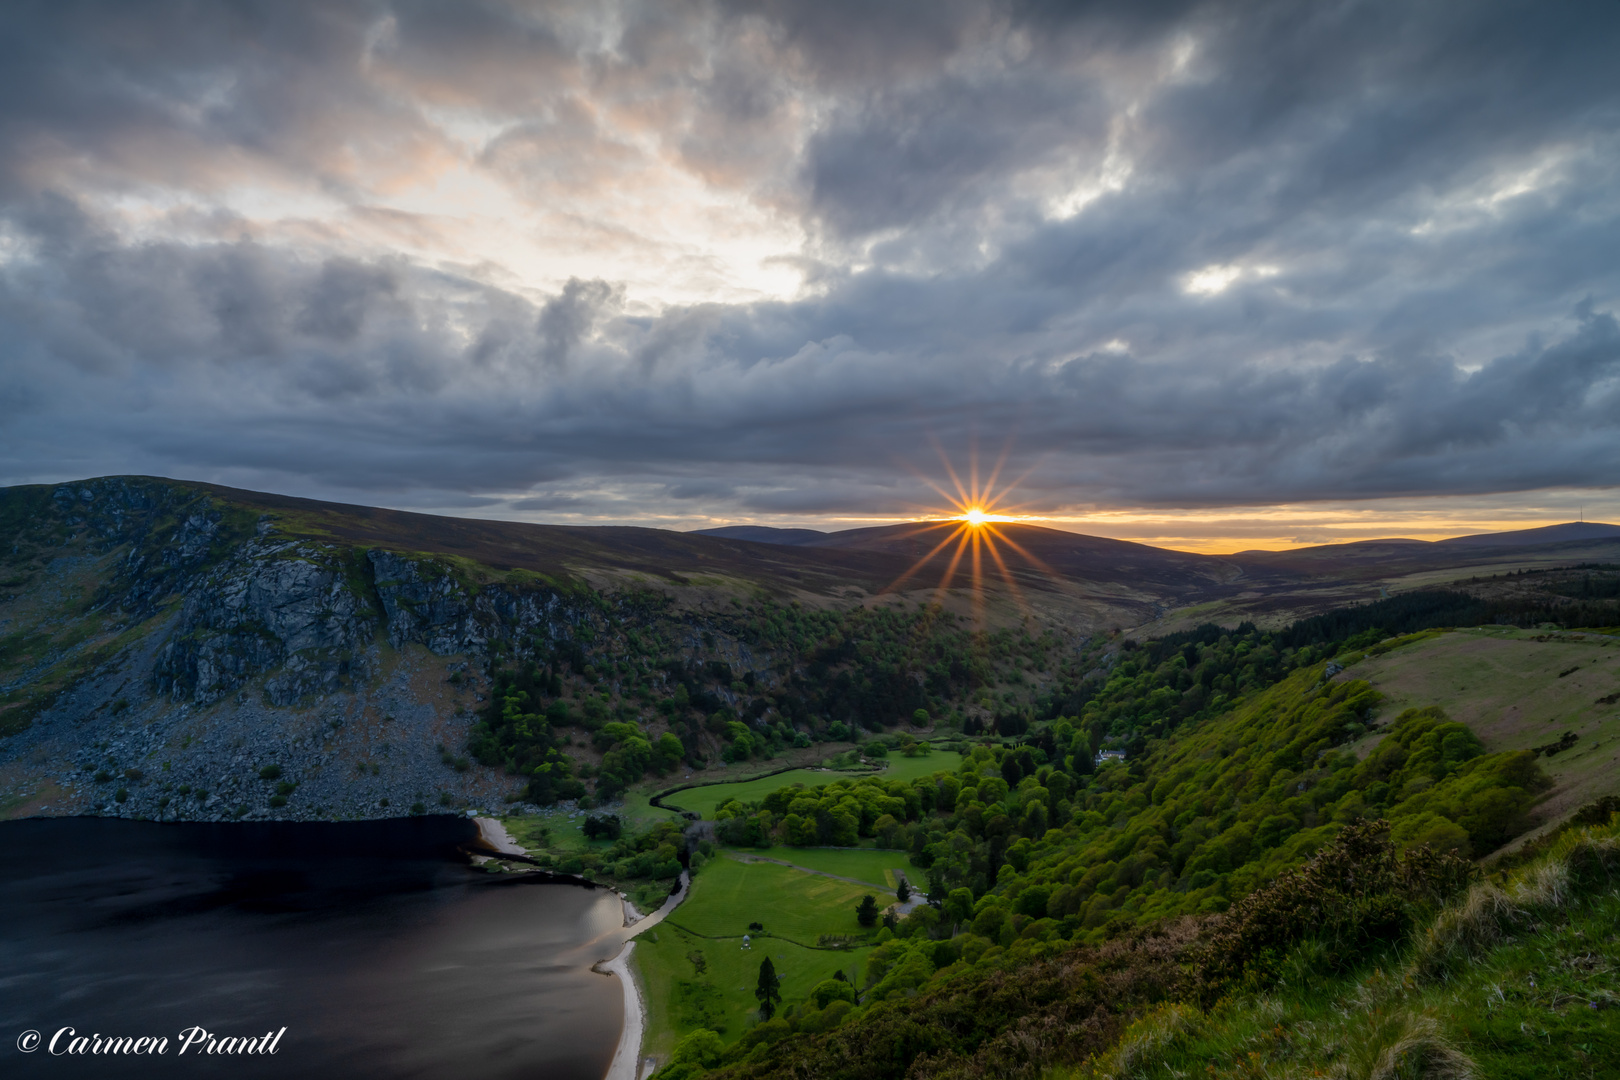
(764,534)
(1569,532)
(164,643)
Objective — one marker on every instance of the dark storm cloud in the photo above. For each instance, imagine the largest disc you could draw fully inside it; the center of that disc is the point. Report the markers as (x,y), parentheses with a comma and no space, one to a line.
(1189,254)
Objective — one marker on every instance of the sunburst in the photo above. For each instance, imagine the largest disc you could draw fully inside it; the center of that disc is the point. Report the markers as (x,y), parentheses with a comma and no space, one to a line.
(977,509)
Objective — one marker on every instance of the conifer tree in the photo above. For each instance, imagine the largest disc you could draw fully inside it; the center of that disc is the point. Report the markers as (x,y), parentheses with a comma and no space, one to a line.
(769,990)
(867,911)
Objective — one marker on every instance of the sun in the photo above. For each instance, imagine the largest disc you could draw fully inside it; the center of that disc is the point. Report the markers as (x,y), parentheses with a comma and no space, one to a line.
(976,529)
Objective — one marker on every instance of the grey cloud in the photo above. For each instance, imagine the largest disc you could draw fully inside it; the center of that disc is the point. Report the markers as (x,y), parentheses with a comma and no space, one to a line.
(567,318)
(1400,319)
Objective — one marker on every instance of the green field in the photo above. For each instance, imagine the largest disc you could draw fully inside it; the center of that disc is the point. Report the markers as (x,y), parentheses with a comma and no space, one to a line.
(726,896)
(680,1000)
(704,800)
(1518,692)
(909,768)
(862,864)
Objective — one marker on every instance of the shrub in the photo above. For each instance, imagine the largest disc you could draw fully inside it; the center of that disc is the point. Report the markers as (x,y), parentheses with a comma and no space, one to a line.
(1356,894)
(270,772)
(605,827)
(866,912)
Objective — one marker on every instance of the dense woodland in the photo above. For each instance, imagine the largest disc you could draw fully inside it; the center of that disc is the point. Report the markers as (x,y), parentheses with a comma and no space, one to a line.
(835,675)
(1061,892)
(1059,889)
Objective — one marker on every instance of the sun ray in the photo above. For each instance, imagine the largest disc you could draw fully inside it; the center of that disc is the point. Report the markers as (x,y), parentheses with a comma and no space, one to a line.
(950,571)
(978,580)
(1006,575)
(990,484)
(920,563)
(1033,560)
(962,495)
(979,527)
(973,469)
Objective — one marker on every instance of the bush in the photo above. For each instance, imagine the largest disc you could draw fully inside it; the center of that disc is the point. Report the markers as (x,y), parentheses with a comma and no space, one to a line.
(605,827)
(270,772)
(1354,895)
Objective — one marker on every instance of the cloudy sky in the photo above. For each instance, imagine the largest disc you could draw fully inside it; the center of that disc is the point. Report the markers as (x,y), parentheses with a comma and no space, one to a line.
(1213,275)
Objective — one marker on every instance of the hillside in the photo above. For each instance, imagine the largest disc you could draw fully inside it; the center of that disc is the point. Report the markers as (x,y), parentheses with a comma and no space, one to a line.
(1519,690)
(1272,861)
(187,650)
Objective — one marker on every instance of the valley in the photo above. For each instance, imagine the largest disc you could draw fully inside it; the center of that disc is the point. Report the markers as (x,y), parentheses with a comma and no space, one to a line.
(1089,767)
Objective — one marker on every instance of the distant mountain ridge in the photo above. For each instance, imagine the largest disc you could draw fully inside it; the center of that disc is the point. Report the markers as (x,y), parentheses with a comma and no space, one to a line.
(765,534)
(1568,532)
(872,537)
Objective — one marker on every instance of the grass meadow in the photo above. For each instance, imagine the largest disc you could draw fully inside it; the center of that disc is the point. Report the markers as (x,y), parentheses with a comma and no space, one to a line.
(795,907)
(1518,689)
(876,867)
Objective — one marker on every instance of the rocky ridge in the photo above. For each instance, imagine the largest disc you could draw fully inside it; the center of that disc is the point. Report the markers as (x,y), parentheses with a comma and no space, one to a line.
(223,670)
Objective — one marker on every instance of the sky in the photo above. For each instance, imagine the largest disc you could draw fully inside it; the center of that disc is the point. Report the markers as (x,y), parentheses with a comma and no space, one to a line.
(1207,275)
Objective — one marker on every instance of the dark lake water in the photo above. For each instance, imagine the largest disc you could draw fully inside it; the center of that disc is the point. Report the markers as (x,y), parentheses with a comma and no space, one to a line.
(374,944)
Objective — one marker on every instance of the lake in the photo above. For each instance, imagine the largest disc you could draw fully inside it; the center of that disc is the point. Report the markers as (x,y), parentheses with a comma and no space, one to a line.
(376,945)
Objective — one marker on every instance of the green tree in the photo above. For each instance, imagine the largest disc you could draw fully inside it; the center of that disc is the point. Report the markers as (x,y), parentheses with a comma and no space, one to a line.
(769,990)
(867,911)
(904,892)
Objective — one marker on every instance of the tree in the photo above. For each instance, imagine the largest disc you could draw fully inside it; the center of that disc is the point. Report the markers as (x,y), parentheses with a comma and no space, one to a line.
(606,827)
(769,990)
(904,892)
(867,911)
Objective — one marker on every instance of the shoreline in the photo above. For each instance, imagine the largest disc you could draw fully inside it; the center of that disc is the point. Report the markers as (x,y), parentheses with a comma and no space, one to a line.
(628,1063)
(495,836)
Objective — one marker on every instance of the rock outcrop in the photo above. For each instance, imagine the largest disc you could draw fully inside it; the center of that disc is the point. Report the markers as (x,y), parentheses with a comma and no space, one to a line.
(210,647)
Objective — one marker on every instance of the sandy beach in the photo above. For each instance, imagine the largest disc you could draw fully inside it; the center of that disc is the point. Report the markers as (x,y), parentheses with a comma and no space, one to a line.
(494,834)
(627,1062)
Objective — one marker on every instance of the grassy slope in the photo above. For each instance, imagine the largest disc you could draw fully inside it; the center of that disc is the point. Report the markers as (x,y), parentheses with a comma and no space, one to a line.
(1536,1000)
(729,894)
(904,768)
(679,1000)
(876,867)
(1505,684)
(726,896)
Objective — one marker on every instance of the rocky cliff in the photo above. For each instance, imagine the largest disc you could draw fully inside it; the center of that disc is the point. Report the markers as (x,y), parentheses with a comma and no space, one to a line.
(167,653)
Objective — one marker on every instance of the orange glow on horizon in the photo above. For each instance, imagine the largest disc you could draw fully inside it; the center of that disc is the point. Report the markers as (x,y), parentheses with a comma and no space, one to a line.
(973,529)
